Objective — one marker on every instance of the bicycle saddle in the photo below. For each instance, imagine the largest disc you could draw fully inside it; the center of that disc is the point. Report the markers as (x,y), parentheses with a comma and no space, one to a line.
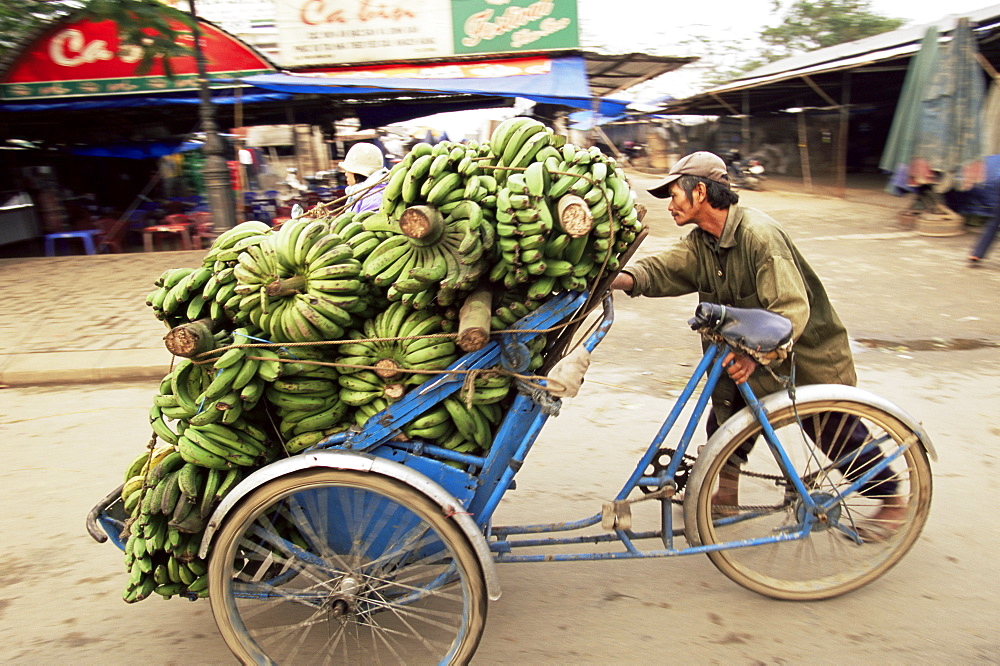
(755,331)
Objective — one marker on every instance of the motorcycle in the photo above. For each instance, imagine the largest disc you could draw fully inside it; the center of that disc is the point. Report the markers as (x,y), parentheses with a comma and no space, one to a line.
(747,174)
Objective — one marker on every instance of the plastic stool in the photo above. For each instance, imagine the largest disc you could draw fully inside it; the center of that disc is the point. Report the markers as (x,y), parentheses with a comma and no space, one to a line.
(173,224)
(86,235)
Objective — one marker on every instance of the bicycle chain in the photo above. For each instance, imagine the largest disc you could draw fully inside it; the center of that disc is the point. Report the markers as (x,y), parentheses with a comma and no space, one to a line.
(684,468)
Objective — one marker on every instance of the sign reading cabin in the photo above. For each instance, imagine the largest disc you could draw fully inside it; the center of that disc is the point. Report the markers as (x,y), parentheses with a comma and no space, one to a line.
(85,58)
(314,33)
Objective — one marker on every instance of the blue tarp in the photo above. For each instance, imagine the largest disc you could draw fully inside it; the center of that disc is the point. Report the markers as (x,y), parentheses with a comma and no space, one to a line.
(565,84)
(585,120)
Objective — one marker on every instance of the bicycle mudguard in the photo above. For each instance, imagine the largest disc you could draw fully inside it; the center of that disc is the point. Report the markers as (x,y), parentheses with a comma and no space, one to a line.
(361,462)
(781,400)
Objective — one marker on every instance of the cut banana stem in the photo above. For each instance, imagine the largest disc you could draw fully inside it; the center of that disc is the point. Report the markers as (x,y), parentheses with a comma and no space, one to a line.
(474,320)
(386,368)
(287,286)
(574,215)
(422,223)
(188,340)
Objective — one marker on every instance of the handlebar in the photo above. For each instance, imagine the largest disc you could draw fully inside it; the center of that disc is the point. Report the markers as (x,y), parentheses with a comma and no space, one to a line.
(595,338)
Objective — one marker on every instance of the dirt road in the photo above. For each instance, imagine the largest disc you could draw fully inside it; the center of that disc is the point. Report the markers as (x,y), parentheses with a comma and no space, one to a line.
(911,297)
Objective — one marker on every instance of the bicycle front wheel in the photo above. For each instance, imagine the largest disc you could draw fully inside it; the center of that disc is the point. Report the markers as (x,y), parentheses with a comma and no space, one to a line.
(334,566)
(850,542)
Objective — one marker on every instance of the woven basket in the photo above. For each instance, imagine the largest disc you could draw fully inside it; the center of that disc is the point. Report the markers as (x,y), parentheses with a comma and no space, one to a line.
(940,224)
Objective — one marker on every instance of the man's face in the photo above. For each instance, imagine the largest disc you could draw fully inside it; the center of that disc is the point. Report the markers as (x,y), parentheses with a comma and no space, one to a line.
(685,209)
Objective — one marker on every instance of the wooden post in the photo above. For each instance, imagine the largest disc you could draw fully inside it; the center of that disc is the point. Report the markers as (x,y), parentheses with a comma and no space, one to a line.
(842,135)
(745,125)
(804,152)
(189,340)
(474,320)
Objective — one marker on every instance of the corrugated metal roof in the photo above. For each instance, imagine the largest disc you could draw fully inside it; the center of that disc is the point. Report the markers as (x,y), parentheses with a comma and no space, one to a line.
(610,74)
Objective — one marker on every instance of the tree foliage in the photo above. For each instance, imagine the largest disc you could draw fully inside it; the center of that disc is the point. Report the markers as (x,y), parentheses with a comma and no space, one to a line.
(805,26)
(18,20)
(815,24)
(145,23)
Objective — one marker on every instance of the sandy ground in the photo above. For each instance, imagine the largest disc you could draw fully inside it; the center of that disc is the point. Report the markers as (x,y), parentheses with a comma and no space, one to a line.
(65,447)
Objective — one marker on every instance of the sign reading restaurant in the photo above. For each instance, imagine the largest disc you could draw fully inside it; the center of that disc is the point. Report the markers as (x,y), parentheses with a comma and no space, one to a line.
(314,33)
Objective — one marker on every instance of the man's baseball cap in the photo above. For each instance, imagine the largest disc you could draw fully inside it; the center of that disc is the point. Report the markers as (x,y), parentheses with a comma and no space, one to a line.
(702,163)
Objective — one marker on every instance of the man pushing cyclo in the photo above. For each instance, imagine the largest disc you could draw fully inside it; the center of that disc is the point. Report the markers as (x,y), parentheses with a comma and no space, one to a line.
(740,257)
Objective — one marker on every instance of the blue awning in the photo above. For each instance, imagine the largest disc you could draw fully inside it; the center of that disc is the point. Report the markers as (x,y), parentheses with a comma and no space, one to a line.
(134,101)
(565,83)
(586,120)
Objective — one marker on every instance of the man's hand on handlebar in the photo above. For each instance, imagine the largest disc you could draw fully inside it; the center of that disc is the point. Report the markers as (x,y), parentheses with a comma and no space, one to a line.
(739,366)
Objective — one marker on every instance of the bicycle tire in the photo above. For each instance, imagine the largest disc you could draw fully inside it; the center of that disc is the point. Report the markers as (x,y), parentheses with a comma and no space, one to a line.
(338,566)
(828,562)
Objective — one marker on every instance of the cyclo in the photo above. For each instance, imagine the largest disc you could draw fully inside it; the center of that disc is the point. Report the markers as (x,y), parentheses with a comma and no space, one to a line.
(369,548)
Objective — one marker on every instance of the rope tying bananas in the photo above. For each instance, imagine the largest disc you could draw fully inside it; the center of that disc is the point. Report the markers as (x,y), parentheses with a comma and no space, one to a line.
(317,326)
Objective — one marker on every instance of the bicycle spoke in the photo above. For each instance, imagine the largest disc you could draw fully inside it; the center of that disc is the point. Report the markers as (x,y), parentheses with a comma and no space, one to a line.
(853,459)
(383,577)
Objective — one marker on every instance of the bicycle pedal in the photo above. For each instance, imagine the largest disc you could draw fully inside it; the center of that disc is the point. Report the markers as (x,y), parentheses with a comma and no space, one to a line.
(616,515)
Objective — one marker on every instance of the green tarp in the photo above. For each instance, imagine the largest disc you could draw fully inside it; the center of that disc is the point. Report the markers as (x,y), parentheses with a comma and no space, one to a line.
(936,133)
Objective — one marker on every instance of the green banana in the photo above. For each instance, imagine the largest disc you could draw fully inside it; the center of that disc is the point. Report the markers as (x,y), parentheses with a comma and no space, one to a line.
(197,455)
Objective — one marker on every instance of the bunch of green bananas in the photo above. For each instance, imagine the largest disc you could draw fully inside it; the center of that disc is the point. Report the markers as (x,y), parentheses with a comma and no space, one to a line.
(227,246)
(210,406)
(389,297)
(299,284)
(454,426)
(187,294)
(518,142)
(307,401)
(178,296)
(421,274)
(442,174)
(222,447)
(397,338)
(362,231)
(168,501)
(513,305)
(474,425)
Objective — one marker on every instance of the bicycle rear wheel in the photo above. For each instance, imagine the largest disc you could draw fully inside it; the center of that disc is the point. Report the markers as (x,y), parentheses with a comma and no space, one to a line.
(335,566)
(829,561)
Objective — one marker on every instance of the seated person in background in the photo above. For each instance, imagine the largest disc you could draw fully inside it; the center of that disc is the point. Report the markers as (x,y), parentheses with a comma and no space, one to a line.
(364,167)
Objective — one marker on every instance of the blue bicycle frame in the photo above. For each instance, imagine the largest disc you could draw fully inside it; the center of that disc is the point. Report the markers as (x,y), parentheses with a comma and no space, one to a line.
(712,365)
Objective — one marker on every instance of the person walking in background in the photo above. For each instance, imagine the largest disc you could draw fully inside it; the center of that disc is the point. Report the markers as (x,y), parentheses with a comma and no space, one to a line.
(987,235)
(364,167)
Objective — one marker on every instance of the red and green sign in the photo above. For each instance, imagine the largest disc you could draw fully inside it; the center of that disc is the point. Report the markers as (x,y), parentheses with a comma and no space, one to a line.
(85,58)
